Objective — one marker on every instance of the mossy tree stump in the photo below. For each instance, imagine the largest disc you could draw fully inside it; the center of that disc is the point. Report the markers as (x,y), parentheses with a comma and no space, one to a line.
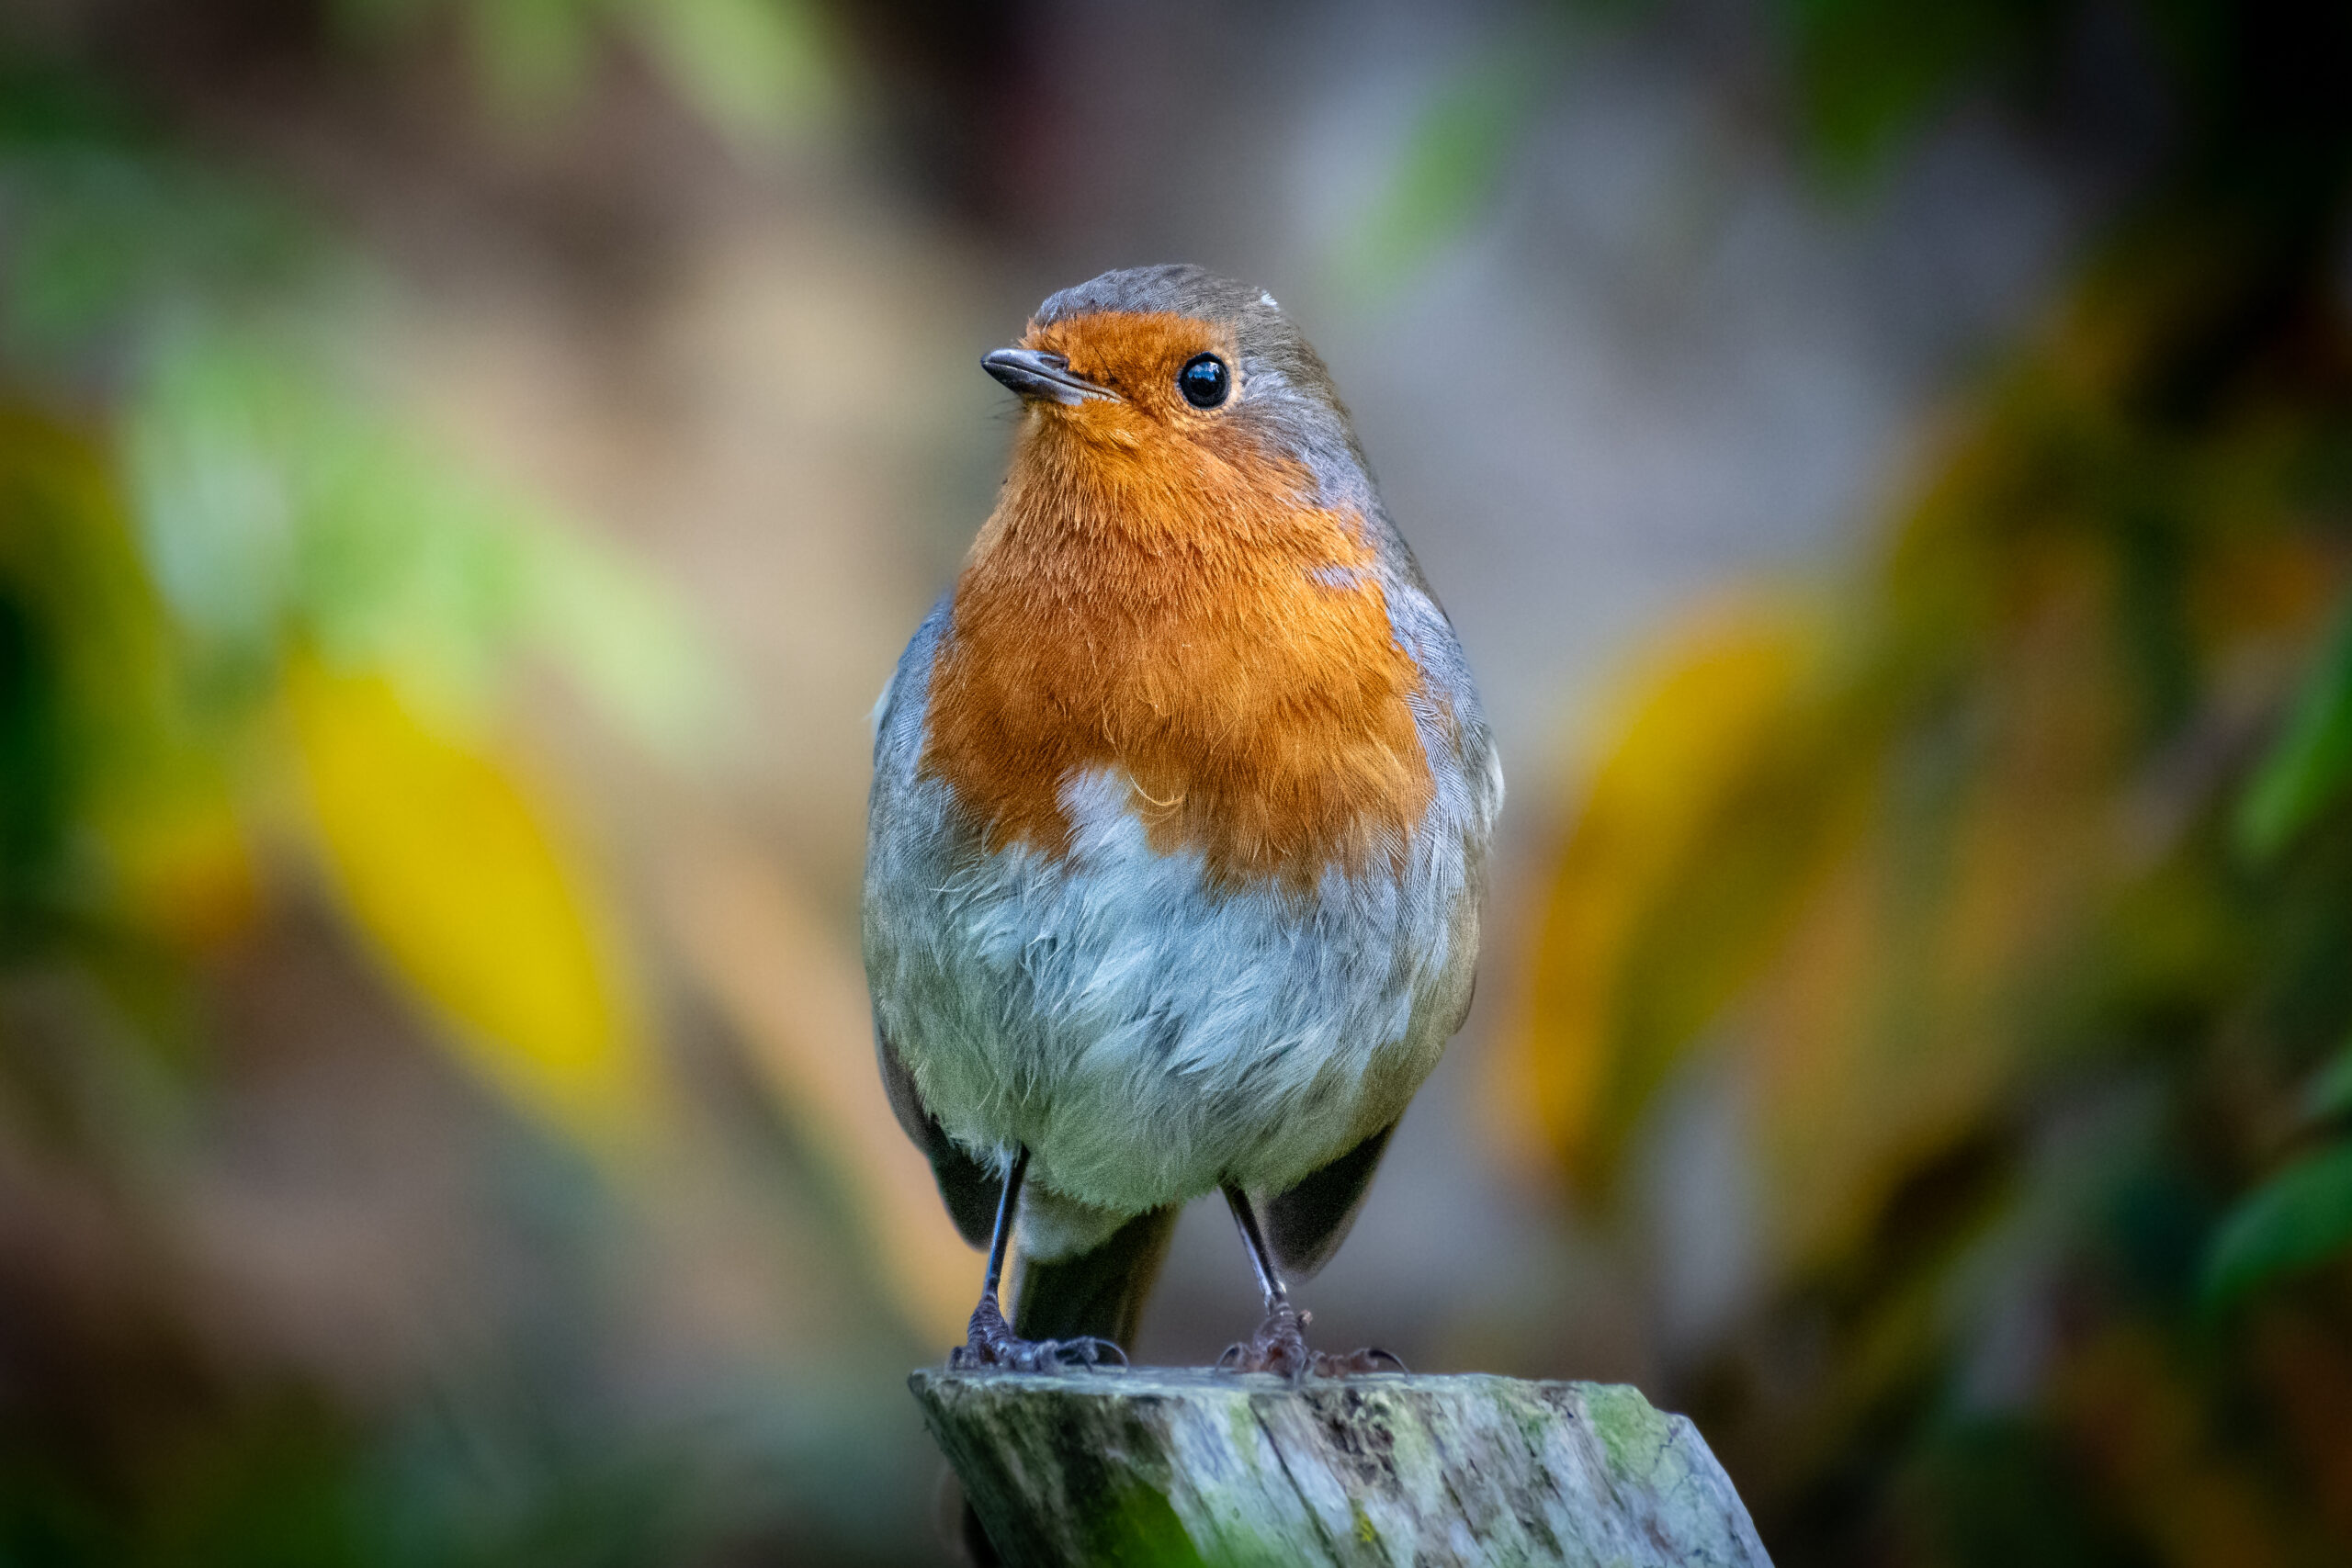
(1158,1466)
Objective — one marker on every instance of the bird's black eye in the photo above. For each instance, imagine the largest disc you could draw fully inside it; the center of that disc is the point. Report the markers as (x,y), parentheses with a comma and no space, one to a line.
(1205,380)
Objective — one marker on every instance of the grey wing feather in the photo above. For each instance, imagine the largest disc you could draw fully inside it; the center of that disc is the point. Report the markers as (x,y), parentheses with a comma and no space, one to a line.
(1305,1224)
(970,1189)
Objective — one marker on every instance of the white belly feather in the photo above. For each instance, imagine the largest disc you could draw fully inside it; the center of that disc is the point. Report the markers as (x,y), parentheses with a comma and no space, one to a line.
(1145,1037)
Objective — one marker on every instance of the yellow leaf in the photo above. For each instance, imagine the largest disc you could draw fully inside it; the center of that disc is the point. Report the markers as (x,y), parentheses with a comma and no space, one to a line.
(450,867)
(1695,718)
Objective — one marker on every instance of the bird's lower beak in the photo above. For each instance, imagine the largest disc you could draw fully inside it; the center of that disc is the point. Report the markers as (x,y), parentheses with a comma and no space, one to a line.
(1035,375)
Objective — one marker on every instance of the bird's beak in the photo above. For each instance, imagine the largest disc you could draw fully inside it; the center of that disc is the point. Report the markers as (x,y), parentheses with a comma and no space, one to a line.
(1038,375)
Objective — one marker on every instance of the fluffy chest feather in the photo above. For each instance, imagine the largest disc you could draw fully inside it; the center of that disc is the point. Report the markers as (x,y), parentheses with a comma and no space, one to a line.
(1197,630)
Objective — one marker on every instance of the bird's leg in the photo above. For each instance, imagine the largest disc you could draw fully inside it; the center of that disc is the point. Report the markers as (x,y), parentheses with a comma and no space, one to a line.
(990,1342)
(1280,1345)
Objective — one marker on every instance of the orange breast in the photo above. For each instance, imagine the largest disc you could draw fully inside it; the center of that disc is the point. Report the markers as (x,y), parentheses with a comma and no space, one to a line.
(1182,615)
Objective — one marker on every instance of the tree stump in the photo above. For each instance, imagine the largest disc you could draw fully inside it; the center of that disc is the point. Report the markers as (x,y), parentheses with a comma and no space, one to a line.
(1152,1465)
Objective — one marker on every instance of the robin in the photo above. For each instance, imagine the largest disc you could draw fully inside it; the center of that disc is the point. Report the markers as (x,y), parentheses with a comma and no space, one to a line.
(1181,800)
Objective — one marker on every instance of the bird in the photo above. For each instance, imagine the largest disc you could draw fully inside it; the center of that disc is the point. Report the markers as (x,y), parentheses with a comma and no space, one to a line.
(1178,832)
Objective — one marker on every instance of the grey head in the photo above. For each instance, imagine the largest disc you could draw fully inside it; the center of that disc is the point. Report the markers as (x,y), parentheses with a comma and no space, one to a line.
(1284,391)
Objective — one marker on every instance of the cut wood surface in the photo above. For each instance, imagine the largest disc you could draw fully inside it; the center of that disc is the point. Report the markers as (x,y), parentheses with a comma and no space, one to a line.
(1152,1465)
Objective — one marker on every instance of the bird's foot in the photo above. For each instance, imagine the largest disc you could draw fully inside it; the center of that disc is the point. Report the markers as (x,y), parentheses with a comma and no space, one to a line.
(1280,1347)
(992,1344)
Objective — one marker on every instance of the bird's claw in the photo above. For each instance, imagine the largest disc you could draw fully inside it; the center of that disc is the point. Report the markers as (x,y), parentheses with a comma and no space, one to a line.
(1013,1355)
(1280,1347)
(993,1345)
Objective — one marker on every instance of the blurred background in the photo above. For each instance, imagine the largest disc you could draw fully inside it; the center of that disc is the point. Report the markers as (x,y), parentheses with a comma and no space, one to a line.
(467,468)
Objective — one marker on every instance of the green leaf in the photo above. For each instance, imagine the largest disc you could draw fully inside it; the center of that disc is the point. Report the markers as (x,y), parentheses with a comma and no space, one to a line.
(2300,1217)
(756,70)
(1448,168)
(532,56)
(98,241)
(279,508)
(1869,74)
(2307,769)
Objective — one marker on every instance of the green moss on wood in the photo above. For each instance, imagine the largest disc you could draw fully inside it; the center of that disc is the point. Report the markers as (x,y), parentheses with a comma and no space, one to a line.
(1152,1466)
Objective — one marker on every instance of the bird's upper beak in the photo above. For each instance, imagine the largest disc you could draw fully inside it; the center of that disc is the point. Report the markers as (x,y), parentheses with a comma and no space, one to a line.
(1033,374)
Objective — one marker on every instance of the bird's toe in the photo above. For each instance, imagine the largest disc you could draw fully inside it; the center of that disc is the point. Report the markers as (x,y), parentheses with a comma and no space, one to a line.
(1087,1351)
(994,1347)
(1280,1347)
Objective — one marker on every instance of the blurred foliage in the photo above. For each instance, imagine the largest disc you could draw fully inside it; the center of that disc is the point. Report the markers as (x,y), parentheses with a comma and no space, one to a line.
(290,581)
(1864,74)
(446,859)
(758,71)
(1453,155)
(263,643)
(2009,884)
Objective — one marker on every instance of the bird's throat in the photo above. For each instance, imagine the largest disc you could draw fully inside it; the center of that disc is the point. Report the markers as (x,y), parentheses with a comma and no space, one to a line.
(1193,622)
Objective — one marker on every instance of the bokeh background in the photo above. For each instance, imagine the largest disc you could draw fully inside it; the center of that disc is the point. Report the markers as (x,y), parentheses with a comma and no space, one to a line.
(467,468)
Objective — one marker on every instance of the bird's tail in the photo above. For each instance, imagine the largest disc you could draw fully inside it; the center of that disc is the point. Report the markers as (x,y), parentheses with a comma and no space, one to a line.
(1100,1292)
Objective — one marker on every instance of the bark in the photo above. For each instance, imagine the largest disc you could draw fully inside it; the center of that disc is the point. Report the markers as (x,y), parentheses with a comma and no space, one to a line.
(1154,1466)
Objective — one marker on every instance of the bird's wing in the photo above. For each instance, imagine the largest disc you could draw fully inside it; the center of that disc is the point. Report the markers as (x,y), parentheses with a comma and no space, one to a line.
(1098,1292)
(970,1188)
(1305,1224)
